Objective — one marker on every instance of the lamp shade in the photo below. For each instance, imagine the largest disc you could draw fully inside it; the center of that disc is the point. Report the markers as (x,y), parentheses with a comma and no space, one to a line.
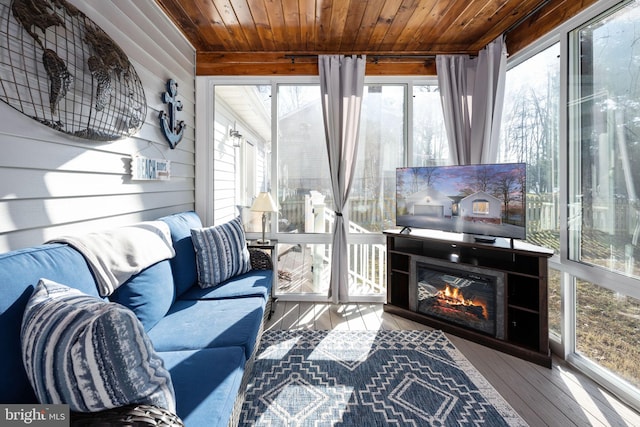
(264,203)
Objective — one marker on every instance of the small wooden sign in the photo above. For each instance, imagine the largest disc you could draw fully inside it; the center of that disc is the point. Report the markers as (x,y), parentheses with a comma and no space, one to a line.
(146,169)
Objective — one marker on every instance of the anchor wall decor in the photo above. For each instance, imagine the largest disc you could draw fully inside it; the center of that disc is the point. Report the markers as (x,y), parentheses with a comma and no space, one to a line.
(172,129)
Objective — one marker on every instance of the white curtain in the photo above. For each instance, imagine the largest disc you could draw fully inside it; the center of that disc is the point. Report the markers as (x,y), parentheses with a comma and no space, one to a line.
(472,94)
(488,99)
(455,93)
(342,86)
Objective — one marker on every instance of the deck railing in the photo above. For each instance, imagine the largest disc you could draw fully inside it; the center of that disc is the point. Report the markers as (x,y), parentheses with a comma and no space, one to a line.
(367,262)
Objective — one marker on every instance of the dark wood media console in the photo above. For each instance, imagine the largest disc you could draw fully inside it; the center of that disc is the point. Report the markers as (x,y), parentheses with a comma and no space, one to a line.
(522,267)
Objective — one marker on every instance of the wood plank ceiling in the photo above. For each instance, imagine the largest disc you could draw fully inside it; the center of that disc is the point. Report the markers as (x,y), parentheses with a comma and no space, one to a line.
(399,37)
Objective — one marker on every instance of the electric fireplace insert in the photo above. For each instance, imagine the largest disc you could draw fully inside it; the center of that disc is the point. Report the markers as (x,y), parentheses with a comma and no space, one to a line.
(467,296)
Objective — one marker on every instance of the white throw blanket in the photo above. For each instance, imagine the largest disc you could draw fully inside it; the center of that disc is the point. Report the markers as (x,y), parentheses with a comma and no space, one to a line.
(116,255)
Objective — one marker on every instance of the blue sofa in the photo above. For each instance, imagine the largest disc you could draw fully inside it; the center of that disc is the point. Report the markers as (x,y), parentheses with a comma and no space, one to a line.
(206,337)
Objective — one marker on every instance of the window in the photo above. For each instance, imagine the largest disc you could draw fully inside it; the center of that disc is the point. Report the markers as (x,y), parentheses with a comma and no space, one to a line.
(372,205)
(555,302)
(241,151)
(298,161)
(303,191)
(480,207)
(304,269)
(605,136)
(604,175)
(430,145)
(380,151)
(304,184)
(530,133)
(607,329)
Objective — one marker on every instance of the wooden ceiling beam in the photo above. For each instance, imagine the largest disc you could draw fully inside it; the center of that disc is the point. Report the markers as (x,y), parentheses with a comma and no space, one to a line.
(283,63)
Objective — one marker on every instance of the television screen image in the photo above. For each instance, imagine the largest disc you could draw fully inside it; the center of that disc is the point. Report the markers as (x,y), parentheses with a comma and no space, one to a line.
(485,200)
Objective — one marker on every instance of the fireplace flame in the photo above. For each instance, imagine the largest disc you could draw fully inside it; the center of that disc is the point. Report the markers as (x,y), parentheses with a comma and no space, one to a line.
(453,296)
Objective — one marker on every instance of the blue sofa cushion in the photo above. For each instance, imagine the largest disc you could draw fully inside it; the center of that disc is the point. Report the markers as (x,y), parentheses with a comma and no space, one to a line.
(221,252)
(90,354)
(255,283)
(182,265)
(206,382)
(20,271)
(149,294)
(191,325)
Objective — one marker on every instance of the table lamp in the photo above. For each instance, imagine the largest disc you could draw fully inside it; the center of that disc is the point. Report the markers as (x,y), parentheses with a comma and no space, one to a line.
(264,203)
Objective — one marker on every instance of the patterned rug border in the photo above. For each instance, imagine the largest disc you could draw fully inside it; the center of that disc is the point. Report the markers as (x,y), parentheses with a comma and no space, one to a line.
(276,341)
(485,387)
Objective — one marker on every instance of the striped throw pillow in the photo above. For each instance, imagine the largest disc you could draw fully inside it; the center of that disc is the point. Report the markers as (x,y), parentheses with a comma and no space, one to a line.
(88,353)
(221,252)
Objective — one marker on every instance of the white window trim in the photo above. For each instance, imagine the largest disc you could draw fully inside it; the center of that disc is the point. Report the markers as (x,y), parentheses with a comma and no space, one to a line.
(571,270)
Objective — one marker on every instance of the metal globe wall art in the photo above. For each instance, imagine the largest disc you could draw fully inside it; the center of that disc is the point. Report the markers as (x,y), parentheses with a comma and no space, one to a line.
(60,68)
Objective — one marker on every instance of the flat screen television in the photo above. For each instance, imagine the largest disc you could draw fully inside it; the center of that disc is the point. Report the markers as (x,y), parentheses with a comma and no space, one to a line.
(482,200)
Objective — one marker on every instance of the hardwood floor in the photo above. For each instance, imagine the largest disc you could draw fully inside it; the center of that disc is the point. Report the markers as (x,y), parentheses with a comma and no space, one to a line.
(543,397)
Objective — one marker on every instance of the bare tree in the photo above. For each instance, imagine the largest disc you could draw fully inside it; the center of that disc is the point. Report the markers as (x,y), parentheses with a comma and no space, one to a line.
(505,188)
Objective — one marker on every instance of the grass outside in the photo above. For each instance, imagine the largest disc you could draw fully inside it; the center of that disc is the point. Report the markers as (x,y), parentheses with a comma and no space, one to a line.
(607,323)
(608,329)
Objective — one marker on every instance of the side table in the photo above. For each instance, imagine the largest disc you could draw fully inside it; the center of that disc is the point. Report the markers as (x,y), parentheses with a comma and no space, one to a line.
(270,246)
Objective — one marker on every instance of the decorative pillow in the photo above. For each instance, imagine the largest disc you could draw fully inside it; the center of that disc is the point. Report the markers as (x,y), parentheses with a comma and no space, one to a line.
(221,252)
(149,294)
(90,354)
(180,224)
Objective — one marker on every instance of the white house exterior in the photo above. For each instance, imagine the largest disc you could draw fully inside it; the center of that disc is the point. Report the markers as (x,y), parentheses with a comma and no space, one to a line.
(429,202)
(481,206)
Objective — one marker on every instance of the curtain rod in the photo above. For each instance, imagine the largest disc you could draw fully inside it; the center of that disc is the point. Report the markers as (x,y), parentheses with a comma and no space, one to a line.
(374,57)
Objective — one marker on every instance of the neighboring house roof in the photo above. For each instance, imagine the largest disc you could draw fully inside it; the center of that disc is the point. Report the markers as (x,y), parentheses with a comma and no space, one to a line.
(481,194)
(428,196)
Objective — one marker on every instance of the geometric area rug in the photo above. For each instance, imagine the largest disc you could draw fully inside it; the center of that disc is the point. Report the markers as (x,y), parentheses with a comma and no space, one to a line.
(368,378)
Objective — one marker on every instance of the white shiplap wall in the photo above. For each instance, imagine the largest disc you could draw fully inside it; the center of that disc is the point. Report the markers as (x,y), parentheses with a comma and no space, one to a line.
(237,177)
(53,184)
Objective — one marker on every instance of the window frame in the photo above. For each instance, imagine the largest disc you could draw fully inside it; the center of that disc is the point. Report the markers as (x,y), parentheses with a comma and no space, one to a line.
(571,270)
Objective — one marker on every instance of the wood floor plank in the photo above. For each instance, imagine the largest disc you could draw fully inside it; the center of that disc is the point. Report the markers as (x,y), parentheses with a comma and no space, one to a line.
(595,407)
(275,323)
(483,359)
(537,378)
(598,402)
(307,315)
(323,317)
(338,322)
(409,325)
(353,316)
(541,400)
(290,315)
(389,321)
(370,314)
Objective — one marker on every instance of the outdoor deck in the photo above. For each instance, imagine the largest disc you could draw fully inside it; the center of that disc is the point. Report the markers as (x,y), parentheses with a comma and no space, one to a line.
(305,269)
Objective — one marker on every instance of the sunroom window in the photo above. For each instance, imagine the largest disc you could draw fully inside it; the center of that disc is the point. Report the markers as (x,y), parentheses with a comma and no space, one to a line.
(530,133)
(604,178)
(294,168)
